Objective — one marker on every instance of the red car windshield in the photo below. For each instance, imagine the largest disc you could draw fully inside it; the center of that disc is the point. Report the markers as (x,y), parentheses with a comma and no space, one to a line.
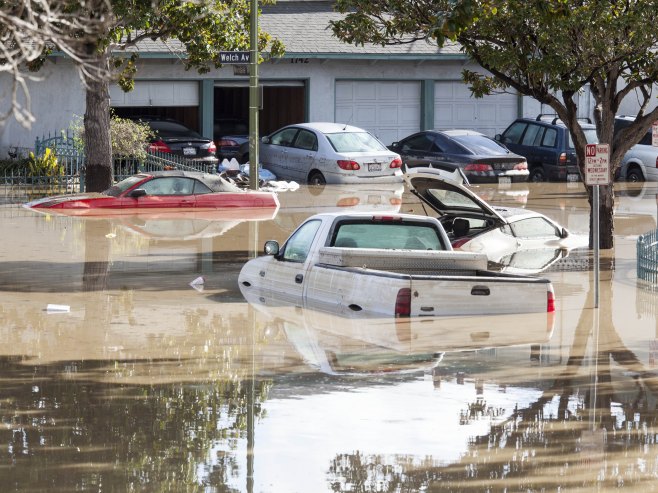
(123,185)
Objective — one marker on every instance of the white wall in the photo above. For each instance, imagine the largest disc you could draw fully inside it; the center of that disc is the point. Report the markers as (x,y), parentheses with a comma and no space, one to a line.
(56,97)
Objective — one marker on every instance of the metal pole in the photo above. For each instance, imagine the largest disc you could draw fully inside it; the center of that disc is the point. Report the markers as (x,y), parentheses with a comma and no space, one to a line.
(595,239)
(254,102)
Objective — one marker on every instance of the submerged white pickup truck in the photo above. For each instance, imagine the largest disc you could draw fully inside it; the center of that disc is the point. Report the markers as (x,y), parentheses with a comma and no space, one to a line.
(388,264)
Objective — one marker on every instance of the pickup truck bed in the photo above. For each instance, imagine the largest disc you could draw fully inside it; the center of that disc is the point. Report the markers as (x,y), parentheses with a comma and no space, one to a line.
(389,281)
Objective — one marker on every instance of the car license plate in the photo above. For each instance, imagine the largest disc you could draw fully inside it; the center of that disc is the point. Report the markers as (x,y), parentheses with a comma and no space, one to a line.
(189,151)
(573,177)
(504,180)
(374,167)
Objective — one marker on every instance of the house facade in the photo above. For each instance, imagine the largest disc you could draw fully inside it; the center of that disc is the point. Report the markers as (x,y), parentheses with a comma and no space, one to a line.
(391,91)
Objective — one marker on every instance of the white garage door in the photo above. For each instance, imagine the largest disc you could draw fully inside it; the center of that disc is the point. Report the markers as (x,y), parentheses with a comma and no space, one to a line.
(454,107)
(156,93)
(388,109)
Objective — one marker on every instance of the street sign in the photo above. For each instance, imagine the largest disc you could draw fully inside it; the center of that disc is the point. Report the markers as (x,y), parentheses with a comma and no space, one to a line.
(240,57)
(597,164)
(654,134)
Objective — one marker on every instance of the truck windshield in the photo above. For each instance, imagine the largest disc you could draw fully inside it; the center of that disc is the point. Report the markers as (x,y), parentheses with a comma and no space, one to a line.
(388,236)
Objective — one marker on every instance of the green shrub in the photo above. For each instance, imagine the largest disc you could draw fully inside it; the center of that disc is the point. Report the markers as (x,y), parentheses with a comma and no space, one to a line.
(129,138)
(45,165)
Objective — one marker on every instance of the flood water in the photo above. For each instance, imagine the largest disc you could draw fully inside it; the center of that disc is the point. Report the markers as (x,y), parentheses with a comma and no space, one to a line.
(119,373)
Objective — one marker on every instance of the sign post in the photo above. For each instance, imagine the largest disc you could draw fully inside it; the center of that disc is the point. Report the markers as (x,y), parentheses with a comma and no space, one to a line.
(597,172)
(254,102)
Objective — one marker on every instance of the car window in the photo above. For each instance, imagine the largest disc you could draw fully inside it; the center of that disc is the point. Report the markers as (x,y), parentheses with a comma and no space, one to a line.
(420,142)
(388,236)
(513,134)
(200,188)
(534,227)
(550,138)
(306,140)
(298,245)
(480,144)
(284,137)
(532,136)
(123,185)
(169,185)
(355,142)
(450,146)
(172,129)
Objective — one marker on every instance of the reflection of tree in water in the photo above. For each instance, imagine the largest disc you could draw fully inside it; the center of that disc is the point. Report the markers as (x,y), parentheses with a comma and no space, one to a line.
(59,431)
(575,436)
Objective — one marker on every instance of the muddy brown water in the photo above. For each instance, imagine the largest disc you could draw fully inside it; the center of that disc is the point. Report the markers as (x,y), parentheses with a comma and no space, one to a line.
(135,380)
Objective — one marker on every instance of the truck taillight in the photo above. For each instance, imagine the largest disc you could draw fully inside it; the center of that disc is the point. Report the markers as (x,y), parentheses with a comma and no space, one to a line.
(563,158)
(348,165)
(159,146)
(550,301)
(403,303)
(396,163)
(478,167)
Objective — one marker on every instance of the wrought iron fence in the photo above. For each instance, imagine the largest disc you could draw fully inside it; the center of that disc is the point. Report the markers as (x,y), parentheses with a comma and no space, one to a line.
(647,258)
(18,183)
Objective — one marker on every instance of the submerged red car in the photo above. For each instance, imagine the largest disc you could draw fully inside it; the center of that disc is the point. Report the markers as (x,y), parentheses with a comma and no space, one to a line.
(160,190)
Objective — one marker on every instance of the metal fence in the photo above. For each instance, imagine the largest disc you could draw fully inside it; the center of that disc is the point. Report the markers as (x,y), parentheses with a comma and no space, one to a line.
(647,258)
(19,184)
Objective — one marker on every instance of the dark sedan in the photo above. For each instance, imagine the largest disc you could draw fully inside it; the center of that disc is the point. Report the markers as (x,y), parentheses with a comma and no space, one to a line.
(482,159)
(173,137)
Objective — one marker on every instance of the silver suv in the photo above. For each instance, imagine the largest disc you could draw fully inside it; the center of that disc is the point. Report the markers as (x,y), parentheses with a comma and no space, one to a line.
(640,163)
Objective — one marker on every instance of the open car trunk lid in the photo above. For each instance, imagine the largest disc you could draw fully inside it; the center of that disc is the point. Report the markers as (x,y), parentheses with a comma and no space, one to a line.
(446,193)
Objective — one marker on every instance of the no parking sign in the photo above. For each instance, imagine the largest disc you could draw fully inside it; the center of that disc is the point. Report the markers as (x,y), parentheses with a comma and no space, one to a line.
(597,164)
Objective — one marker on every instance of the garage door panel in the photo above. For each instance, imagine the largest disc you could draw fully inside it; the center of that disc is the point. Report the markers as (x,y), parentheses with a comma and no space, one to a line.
(388,109)
(156,93)
(454,107)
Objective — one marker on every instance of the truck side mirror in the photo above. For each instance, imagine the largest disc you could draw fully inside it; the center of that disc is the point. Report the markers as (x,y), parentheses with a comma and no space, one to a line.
(564,233)
(271,247)
(498,137)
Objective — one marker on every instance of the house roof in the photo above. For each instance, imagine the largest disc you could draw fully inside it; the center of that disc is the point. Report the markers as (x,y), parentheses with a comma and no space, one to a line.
(303,27)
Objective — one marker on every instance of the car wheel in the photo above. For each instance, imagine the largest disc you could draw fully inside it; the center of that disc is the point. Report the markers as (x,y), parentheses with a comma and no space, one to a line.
(537,174)
(316,179)
(634,175)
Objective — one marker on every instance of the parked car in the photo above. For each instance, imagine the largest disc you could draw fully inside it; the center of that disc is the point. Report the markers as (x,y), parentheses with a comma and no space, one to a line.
(547,146)
(159,190)
(640,163)
(171,136)
(482,159)
(231,137)
(233,147)
(320,153)
(499,232)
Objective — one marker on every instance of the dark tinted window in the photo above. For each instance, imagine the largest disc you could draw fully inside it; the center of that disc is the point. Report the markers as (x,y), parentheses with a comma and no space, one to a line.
(513,134)
(450,146)
(480,144)
(550,138)
(172,129)
(420,142)
(533,135)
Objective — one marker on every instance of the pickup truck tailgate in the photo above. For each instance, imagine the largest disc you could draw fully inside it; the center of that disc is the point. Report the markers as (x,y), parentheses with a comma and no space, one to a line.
(487,292)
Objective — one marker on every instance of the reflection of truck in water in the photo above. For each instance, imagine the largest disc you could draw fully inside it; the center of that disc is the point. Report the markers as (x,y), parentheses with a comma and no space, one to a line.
(347,342)
(392,264)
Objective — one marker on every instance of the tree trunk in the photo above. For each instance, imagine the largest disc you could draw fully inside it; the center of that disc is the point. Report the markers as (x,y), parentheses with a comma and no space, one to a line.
(606,216)
(98,147)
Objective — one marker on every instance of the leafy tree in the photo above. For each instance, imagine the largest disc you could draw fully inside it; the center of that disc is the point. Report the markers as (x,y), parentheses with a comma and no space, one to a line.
(551,50)
(201,28)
